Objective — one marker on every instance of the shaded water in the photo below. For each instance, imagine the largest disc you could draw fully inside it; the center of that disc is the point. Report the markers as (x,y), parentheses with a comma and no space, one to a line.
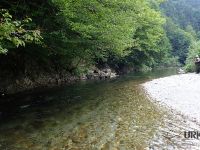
(94,115)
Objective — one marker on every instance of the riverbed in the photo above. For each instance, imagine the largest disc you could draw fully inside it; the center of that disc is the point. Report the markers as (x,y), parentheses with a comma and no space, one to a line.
(94,115)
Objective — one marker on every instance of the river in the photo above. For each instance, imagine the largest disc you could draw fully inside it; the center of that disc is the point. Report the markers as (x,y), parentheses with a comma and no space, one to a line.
(91,115)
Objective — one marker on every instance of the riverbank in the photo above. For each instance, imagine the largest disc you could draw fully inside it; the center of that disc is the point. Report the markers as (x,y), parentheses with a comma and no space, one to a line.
(179,92)
(15,84)
(179,96)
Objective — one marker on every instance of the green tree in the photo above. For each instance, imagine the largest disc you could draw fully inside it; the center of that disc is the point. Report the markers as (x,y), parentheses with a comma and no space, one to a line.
(179,39)
(13,33)
(193,51)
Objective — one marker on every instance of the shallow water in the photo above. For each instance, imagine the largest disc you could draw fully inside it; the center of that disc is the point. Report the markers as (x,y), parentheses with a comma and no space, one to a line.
(107,115)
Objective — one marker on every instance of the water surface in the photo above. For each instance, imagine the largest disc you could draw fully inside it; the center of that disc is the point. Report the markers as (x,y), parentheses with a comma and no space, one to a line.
(112,114)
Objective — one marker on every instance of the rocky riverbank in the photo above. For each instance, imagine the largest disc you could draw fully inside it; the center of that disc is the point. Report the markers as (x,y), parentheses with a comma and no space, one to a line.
(11,85)
(179,92)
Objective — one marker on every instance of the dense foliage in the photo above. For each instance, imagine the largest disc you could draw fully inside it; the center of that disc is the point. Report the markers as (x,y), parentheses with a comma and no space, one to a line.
(183,12)
(74,35)
(13,33)
(180,40)
(193,51)
(183,28)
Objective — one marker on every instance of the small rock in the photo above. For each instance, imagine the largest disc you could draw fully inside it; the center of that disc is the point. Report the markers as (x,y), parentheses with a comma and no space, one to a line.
(119,119)
(113,75)
(24,106)
(59,81)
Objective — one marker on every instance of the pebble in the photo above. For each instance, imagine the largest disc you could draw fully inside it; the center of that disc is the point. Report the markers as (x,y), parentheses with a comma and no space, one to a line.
(24,106)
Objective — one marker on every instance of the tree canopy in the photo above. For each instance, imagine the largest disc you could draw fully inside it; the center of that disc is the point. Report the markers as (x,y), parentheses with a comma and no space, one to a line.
(72,34)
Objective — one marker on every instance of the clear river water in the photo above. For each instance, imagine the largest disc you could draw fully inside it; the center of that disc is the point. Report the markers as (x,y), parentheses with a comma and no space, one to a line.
(92,115)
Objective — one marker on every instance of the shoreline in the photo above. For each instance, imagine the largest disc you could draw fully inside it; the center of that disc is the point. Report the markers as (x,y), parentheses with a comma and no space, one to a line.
(180,93)
(179,117)
(12,86)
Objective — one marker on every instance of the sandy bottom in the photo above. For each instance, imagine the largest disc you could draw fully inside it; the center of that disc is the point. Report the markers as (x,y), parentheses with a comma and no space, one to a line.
(179,92)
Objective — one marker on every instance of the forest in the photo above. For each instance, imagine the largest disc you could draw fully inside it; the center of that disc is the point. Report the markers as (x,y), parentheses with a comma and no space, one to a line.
(99,74)
(72,37)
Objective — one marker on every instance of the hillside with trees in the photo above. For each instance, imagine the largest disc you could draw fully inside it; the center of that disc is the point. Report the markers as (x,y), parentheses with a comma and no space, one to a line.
(183,29)
(59,37)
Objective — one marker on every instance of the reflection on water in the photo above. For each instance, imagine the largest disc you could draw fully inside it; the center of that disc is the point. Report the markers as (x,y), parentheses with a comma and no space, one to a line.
(106,115)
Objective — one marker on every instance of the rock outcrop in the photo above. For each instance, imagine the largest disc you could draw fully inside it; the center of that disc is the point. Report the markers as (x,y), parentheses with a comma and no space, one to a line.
(103,74)
(15,85)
